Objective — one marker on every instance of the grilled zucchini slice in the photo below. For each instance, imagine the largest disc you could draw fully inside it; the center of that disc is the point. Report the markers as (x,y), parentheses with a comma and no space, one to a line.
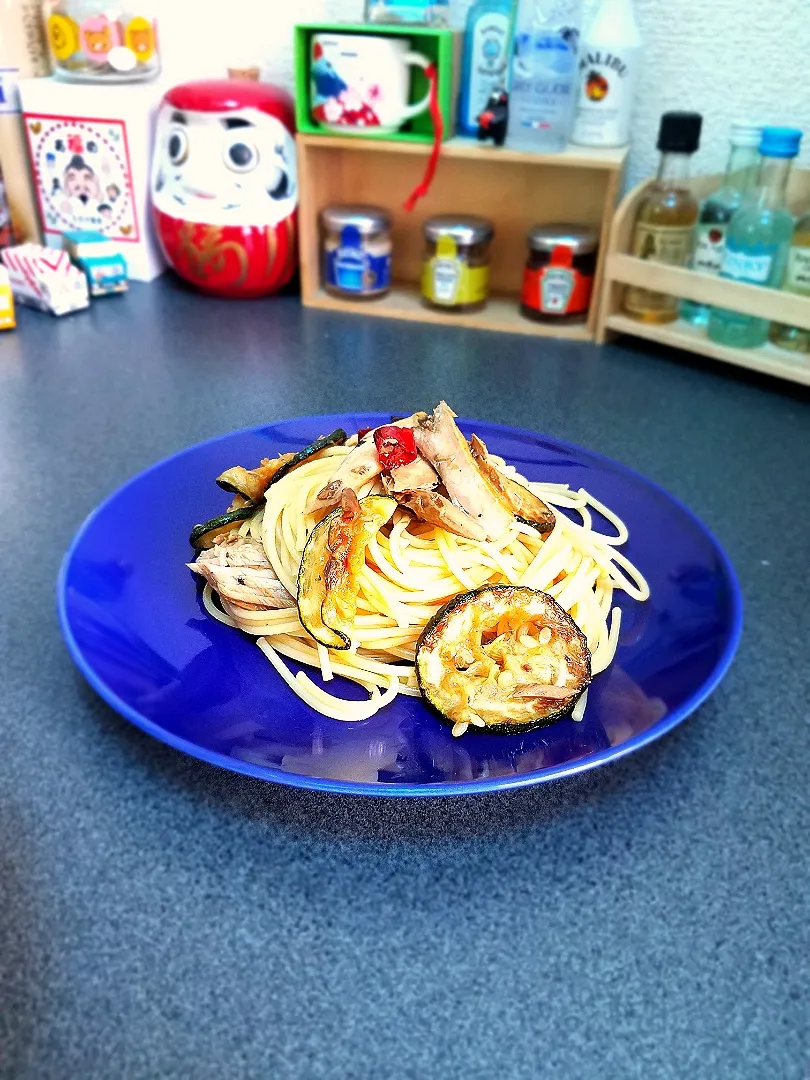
(526,506)
(331,561)
(252,483)
(203,536)
(503,658)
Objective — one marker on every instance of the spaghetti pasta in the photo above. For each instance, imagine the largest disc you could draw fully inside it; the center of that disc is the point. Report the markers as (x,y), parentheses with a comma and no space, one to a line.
(412,569)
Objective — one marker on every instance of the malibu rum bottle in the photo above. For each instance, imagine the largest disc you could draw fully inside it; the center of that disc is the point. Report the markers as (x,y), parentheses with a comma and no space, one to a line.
(665,226)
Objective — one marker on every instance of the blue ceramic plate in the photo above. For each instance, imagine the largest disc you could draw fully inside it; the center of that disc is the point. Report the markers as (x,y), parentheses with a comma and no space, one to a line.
(133,619)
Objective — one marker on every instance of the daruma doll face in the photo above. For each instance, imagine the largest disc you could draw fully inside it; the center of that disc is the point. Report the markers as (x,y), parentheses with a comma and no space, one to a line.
(234,167)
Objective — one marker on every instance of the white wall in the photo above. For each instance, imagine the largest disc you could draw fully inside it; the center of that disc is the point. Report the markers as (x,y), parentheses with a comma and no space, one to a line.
(728,59)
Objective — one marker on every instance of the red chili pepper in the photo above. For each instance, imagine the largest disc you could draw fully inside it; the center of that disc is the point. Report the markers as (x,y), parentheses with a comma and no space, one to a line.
(395,446)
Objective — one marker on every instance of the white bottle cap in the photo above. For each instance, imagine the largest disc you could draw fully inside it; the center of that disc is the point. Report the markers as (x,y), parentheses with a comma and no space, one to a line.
(746,134)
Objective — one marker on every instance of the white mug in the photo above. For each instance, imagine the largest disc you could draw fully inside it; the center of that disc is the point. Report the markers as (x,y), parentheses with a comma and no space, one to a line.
(359,82)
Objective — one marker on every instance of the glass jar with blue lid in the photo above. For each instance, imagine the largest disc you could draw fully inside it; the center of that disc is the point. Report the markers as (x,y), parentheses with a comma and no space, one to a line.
(356,251)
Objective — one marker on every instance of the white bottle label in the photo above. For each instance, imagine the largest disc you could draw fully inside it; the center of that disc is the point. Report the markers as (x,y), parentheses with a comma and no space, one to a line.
(741,266)
(798,270)
(710,244)
(607,85)
(555,291)
(446,280)
(488,62)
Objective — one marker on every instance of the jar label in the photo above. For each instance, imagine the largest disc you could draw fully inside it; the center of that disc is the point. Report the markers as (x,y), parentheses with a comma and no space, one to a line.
(139,38)
(671,244)
(710,244)
(63,37)
(798,270)
(353,270)
(555,290)
(741,264)
(451,282)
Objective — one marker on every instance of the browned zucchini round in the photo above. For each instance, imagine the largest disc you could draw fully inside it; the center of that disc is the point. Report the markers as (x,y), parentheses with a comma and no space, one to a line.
(330,563)
(203,536)
(502,658)
(253,483)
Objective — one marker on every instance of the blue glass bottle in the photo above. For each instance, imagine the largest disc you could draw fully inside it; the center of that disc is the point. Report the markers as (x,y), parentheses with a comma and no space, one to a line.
(758,241)
(486,59)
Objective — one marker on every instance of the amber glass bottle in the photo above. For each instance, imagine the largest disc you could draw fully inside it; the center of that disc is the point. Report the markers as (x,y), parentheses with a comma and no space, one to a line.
(665,226)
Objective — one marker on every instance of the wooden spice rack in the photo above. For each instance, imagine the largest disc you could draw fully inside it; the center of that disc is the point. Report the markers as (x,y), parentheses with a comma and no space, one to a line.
(514,189)
(622,269)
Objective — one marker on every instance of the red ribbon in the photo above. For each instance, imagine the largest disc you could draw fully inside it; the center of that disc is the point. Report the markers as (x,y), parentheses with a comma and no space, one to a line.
(422,188)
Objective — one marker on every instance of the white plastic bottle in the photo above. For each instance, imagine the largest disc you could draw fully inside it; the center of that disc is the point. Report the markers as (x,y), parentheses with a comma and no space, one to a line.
(609,60)
(544,74)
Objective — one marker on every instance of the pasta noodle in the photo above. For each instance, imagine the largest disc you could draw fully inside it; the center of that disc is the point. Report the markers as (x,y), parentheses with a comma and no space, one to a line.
(411,569)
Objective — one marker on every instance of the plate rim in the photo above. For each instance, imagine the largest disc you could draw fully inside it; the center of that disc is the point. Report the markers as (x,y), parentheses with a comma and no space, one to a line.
(486,785)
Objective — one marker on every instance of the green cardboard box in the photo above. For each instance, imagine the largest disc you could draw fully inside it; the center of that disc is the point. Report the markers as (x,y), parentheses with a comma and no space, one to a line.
(440,45)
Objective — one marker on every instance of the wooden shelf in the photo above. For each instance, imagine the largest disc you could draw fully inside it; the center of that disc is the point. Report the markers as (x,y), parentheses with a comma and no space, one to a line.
(775,305)
(682,335)
(576,157)
(502,314)
(514,189)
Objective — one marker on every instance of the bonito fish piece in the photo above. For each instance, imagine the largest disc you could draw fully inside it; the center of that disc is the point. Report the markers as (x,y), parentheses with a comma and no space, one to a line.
(237,568)
(356,469)
(525,504)
(440,442)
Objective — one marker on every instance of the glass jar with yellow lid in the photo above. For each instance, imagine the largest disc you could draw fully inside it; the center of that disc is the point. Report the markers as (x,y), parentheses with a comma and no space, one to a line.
(455,272)
(103,40)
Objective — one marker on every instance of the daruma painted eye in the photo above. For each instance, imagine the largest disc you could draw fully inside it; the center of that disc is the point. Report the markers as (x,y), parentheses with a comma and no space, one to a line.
(241,156)
(178,147)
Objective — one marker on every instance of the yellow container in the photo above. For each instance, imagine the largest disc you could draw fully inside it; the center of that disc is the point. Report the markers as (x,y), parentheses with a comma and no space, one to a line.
(7,320)
(455,272)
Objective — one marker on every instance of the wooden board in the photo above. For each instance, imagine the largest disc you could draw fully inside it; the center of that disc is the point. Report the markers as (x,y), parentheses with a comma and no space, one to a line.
(501,314)
(682,335)
(772,304)
(579,157)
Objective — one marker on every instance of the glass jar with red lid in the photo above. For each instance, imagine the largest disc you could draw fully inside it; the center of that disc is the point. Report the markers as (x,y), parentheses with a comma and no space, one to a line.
(560,272)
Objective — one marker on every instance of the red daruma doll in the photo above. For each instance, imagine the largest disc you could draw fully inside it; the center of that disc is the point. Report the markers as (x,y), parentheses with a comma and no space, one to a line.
(224,186)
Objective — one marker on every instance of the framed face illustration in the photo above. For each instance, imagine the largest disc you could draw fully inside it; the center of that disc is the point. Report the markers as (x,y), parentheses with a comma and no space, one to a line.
(83,176)
(225,185)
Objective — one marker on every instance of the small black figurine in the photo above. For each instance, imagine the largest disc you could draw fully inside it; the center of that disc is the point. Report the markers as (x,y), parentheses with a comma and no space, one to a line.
(493,120)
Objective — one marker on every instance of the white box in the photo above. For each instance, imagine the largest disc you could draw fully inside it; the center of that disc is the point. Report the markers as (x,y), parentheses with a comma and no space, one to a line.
(91,150)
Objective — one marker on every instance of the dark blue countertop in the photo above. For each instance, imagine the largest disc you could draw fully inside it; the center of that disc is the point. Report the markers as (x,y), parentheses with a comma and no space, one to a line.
(161,918)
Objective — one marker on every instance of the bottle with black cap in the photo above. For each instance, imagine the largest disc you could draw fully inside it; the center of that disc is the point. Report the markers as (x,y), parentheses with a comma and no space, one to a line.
(665,225)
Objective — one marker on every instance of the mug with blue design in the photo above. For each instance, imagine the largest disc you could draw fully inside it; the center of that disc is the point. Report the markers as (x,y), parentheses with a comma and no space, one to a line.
(360,83)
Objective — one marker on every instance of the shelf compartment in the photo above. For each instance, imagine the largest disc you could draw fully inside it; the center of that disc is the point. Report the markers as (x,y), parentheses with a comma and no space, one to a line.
(577,185)
(775,305)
